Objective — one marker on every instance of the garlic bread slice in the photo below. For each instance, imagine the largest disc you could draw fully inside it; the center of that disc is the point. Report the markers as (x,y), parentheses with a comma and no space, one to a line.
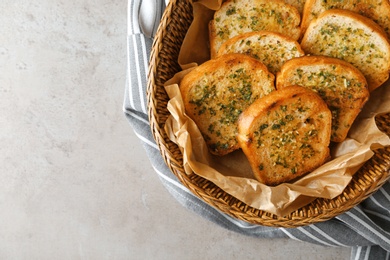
(377,10)
(351,37)
(240,16)
(272,49)
(342,86)
(285,134)
(216,92)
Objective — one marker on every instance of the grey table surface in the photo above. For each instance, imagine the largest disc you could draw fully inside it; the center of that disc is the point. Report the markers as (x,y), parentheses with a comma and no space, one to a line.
(75,180)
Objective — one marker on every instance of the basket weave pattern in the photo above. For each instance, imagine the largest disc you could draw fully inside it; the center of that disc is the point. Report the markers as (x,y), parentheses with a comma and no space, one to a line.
(163,65)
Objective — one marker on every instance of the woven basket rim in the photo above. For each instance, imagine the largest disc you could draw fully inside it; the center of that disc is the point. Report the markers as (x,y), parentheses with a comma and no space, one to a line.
(163,64)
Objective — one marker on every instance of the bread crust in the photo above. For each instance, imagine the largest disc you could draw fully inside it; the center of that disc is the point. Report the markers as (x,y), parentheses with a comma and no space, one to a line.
(237,17)
(216,92)
(351,37)
(342,86)
(272,49)
(285,134)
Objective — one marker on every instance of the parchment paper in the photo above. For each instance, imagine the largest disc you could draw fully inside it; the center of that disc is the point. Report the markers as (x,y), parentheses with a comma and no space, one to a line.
(233,174)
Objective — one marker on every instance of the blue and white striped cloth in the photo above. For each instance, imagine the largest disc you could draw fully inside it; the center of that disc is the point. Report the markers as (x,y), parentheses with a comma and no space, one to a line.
(365,228)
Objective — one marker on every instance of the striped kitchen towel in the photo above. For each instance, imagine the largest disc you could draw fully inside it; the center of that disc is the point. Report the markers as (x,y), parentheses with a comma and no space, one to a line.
(365,228)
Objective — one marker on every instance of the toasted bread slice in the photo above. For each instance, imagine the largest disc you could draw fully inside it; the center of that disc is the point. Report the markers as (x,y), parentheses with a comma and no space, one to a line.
(216,92)
(240,16)
(351,37)
(342,86)
(272,49)
(285,134)
(299,4)
(377,10)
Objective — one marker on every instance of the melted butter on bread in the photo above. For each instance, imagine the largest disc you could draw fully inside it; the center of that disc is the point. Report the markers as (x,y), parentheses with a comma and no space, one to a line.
(216,92)
(377,10)
(240,16)
(285,134)
(342,86)
(351,37)
(272,49)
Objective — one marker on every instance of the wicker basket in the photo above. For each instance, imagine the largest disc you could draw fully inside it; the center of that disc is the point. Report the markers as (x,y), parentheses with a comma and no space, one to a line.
(163,65)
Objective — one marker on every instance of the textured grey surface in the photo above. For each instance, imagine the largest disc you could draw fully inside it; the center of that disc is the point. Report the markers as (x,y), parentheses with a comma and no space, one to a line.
(75,180)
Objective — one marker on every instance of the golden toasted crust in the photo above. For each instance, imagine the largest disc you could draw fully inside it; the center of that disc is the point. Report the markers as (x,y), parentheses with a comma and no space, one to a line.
(285,134)
(237,17)
(272,49)
(342,86)
(216,92)
(377,10)
(351,37)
